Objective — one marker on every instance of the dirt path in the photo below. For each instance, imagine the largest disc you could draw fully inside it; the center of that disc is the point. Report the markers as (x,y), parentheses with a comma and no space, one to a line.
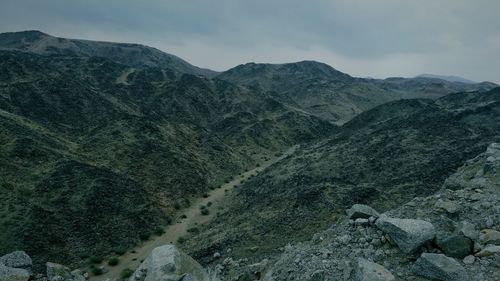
(217,197)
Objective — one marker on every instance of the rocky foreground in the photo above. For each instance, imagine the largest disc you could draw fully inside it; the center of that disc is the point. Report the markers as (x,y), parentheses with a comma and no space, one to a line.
(451,236)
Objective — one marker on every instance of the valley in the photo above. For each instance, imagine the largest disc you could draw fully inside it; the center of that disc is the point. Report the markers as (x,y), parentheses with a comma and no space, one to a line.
(191,218)
(115,157)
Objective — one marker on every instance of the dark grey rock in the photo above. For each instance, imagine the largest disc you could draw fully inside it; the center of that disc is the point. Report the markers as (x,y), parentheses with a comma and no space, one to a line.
(439,267)
(454,245)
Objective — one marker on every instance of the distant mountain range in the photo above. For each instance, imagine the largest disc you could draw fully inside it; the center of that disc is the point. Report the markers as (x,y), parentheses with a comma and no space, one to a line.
(449,78)
(101,143)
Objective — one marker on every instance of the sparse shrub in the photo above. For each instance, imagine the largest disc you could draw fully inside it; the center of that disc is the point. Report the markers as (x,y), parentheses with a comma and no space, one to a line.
(177,206)
(113,261)
(159,231)
(193,230)
(96,271)
(95,259)
(209,204)
(144,236)
(205,212)
(126,273)
(119,252)
(181,240)
(205,195)
(183,216)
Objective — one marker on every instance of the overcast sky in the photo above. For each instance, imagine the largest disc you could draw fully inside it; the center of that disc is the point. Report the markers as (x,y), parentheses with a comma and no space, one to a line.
(375,38)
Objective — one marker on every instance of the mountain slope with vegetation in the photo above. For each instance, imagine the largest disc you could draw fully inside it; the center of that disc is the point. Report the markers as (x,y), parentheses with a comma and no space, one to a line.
(321,90)
(383,157)
(88,135)
(103,144)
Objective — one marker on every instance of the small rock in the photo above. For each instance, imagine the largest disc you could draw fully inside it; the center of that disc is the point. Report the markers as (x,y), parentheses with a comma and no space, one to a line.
(408,234)
(488,250)
(362,222)
(439,267)
(468,230)
(451,207)
(470,259)
(216,255)
(370,271)
(489,236)
(317,276)
(361,211)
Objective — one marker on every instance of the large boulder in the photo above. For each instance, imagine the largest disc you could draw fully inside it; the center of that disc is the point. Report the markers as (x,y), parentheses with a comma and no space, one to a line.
(358,211)
(17,259)
(454,245)
(408,234)
(169,263)
(13,274)
(370,271)
(439,267)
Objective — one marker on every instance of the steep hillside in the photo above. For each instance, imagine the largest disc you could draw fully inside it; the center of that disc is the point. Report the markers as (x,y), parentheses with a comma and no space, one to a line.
(134,55)
(335,96)
(383,157)
(91,136)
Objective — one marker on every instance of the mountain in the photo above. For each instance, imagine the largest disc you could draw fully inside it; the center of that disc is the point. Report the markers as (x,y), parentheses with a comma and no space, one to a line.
(383,157)
(103,144)
(134,55)
(449,78)
(96,154)
(325,92)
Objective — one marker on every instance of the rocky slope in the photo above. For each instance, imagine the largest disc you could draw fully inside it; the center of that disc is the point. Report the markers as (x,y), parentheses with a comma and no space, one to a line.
(452,235)
(383,157)
(462,240)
